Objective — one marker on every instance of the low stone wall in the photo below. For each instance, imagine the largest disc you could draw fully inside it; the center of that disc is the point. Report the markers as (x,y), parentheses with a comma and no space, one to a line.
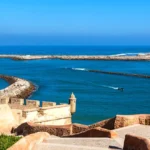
(122,121)
(107,124)
(96,132)
(127,120)
(29,128)
(19,88)
(77,128)
(136,143)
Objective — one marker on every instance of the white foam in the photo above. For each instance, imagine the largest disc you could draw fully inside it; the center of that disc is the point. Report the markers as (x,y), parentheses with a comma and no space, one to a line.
(80,69)
(129,54)
(111,87)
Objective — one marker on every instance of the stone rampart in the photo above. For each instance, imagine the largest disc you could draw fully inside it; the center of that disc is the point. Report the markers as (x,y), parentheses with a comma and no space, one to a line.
(50,115)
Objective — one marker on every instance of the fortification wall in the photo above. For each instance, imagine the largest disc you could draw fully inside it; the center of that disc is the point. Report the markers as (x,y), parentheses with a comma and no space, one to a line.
(48,114)
(32,112)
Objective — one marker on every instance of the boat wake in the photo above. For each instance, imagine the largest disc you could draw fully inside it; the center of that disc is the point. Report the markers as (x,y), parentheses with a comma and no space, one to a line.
(111,87)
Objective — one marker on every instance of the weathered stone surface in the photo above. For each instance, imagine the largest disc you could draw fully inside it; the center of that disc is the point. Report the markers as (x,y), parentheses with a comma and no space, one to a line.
(7,120)
(28,142)
(144,119)
(47,104)
(108,124)
(136,143)
(33,103)
(29,128)
(17,115)
(30,114)
(77,128)
(19,88)
(55,114)
(96,132)
(123,121)
(17,101)
(4,100)
(46,120)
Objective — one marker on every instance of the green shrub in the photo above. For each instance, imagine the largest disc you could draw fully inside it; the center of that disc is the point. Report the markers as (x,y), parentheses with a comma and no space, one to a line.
(7,141)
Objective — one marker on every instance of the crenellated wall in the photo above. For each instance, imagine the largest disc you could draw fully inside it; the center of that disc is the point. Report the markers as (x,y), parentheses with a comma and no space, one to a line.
(45,115)
(48,114)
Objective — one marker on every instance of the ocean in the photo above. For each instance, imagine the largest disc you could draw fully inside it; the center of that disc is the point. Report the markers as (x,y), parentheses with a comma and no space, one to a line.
(97,94)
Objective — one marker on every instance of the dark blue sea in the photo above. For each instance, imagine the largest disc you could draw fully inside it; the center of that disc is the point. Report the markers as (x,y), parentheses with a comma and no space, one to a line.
(97,94)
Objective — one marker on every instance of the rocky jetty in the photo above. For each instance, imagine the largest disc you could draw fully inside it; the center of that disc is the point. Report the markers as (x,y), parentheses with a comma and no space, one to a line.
(120,74)
(19,88)
(145,57)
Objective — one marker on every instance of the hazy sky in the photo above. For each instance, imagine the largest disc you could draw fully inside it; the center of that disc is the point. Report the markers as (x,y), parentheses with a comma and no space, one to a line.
(74,22)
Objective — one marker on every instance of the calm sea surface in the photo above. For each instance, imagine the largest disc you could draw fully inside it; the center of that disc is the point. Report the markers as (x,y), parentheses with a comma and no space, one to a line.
(97,94)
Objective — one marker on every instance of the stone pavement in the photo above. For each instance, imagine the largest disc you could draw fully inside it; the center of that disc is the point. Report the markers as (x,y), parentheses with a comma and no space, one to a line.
(137,130)
(94,143)
(80,144)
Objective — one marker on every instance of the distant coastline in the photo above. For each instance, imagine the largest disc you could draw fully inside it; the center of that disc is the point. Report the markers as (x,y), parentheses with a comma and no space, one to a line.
(139,57)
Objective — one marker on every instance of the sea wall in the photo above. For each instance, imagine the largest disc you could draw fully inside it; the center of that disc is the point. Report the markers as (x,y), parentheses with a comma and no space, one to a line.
(19,88)
(78,57)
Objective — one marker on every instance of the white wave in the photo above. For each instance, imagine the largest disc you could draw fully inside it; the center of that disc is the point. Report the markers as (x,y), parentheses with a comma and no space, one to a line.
(129,54)
(80,69)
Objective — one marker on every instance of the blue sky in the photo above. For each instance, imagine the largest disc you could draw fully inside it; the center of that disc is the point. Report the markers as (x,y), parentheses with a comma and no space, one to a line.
(95,22)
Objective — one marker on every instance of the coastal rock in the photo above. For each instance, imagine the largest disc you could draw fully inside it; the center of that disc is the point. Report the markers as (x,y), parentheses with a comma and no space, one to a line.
(28,142)
(136,143)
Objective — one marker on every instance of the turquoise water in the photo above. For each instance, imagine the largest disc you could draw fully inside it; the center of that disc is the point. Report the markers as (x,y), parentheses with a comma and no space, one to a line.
(3,84)
(97,94)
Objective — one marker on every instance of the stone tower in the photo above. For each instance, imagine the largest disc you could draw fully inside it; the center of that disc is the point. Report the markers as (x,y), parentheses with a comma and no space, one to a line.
(72,102)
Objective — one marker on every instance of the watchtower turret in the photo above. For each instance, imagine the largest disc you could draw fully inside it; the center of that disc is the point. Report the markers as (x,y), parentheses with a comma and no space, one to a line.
(72,102)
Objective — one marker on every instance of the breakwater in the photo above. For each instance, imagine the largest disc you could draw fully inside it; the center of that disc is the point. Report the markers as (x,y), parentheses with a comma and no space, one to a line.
(120,73)
(139,57)
(19,88)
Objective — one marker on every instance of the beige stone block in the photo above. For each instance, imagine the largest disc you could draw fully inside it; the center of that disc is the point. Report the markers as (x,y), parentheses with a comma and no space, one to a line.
(56,112)
(30,115)
(17,101)
(4,100)
(33,103)
(47,104)
(61,121)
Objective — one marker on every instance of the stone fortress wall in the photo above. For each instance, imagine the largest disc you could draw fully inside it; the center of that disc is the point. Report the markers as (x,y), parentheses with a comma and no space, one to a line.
(30,110)
(48,114)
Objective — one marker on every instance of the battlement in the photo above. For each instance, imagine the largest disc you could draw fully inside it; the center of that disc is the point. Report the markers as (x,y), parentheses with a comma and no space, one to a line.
(48,113)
